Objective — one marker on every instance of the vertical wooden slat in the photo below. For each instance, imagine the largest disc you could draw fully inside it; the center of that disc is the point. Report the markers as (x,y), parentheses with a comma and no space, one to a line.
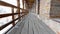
(23,6)
(26,8)
(13,17)
(35,7)
(23,3)
(38,6)
(18,10)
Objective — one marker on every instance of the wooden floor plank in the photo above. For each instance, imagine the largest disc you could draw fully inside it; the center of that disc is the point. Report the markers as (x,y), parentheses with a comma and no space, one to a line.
(33,25)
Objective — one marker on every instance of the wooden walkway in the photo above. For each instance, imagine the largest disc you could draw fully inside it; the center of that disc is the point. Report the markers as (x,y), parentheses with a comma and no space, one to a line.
(31,25)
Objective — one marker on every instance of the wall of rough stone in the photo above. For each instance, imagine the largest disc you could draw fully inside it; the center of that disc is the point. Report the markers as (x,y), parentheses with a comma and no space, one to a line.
(55,9)
(46,9)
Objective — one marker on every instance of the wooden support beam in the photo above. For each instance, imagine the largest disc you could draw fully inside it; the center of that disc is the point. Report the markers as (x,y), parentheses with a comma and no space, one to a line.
(18,10)
(23,6)
(35,7)
(27,8)
(23,3)
(38,6)
(13,17)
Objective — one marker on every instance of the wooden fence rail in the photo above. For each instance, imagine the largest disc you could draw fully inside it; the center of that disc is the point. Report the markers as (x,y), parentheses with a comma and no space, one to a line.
(10,14)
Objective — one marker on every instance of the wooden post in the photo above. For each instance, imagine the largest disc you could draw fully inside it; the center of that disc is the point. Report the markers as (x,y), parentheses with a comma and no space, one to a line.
(35,7)
(13,17)
(27,9)
(23,6)
(38,6)
(18,10)
(23,3)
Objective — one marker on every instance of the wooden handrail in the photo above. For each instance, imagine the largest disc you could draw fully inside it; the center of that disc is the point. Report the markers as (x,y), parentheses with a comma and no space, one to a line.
(7,4)
(6,15)
(10,14)
(2,3)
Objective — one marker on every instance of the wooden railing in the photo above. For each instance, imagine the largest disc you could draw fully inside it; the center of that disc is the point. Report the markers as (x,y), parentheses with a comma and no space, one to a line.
(10,14)
(24,12)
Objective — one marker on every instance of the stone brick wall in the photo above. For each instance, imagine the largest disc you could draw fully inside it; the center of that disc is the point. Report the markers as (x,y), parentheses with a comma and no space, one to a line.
(47,9)
(55,9)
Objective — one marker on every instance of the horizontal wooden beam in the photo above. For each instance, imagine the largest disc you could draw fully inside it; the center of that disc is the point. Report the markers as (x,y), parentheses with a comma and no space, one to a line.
(7,4)
(2,3)
(10,14)
(6,15)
